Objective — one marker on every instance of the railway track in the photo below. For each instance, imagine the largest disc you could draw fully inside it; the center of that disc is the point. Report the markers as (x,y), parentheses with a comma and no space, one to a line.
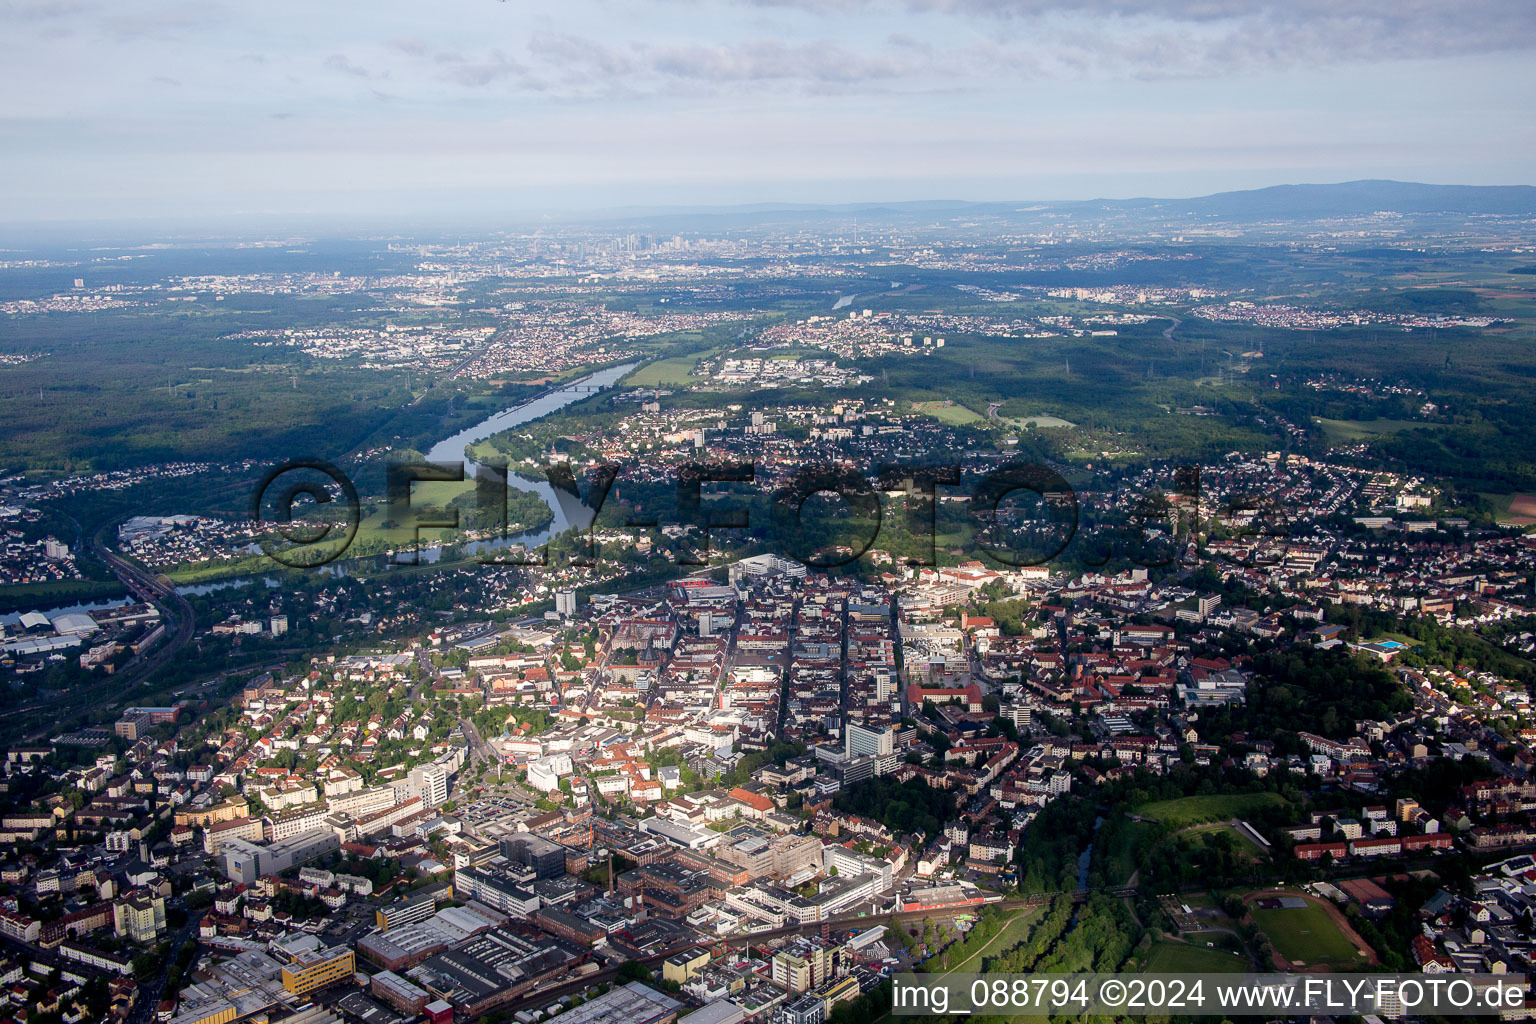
(176,614)
(546,995)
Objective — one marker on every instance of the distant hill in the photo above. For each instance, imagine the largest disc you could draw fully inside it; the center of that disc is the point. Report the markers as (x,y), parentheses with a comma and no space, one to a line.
(1276,203)
(1353,199)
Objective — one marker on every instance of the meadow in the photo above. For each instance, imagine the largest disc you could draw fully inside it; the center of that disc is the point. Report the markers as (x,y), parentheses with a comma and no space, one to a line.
(1195,810)
(1170,956)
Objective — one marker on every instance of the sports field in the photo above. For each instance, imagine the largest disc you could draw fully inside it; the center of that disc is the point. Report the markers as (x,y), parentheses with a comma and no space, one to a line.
(1307,935)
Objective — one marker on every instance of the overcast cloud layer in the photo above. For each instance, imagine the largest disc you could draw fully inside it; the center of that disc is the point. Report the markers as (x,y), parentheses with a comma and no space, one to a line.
(123,108)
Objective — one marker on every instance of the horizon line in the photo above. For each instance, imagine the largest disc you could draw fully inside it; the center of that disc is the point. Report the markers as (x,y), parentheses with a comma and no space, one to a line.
(381,219)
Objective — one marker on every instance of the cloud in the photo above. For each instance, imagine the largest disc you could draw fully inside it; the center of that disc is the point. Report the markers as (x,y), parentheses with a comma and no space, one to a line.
(412,47)
(41,10)
(339,62)
(570,66)
(762,60)
(597,50)
(948,46)
(162,21)
(468,70)
(903,41)
(494,67)
(577,51)
(1268,32)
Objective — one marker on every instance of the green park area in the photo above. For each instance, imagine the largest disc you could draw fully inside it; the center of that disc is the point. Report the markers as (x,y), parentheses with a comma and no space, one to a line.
(1015,931)
(1038,421)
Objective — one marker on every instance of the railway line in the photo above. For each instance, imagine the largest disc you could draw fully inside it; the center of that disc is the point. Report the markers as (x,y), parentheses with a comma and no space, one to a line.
(176,614)
(842,921)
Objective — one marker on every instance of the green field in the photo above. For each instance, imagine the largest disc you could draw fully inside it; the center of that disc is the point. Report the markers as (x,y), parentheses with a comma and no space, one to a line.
(1306,936)
(665,373)
(1196,810)
(946,412)
(212,572)
(1349,431)
(377,533)
(1512,509)
(1169,957)
(1037,422)
(1222,942)
(1500,504)
(373,537)
(1251,849)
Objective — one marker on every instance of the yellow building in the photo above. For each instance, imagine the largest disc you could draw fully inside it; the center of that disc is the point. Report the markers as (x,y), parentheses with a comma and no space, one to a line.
(681,967)
(312,970)
(140,916)
(226,811)
(214,1011)
(837,991)
(805,965)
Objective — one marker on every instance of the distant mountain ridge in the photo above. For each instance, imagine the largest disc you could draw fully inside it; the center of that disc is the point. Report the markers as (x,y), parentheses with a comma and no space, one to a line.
(1276,202)
(1357,198)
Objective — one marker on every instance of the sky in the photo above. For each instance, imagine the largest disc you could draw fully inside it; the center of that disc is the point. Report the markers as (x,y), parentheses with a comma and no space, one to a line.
(272,109)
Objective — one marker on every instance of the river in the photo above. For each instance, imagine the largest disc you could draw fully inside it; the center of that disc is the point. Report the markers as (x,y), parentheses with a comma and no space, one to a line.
(14,618)
(1085,859)
(452,449)
(449,450)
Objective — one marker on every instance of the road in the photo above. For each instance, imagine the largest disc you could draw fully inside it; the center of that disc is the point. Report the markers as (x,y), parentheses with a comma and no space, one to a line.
(479,750)
(150,991)
(461,785)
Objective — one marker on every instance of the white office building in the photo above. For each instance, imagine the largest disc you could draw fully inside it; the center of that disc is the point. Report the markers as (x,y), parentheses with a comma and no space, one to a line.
(863,740)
